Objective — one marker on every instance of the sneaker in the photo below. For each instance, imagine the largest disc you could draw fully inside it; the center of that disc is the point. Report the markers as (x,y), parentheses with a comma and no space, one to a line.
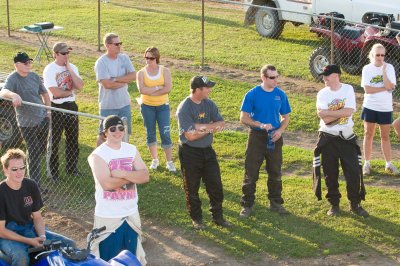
(171,166)
(366,169)
(198,225)
(154,164)
(391,169)
(223,223)
(277,207)
(334,210)
(359,210)
(245,212)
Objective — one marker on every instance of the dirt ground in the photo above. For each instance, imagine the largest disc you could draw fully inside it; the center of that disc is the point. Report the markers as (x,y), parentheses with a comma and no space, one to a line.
(171,246)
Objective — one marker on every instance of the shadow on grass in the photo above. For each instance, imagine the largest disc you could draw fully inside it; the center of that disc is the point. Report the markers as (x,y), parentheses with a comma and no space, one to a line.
(306,232)
(208,19)
(305,42)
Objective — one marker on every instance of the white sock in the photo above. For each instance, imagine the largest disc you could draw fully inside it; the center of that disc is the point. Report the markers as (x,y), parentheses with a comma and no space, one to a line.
(388,163)
(366,162)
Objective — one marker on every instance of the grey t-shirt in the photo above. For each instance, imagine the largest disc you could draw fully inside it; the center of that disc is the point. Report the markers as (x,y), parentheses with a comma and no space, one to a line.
(29,88)
(107,68)
(190,113)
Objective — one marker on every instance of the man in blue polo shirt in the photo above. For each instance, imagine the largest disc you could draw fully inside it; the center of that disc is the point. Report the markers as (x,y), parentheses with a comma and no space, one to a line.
(265,109)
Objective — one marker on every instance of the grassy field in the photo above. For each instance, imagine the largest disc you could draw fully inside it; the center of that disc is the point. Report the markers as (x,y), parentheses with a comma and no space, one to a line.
(174,27)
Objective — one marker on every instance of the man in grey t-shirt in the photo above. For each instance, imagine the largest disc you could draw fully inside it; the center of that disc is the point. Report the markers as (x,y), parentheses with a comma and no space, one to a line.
(114,71)
(33,121)
(198,119)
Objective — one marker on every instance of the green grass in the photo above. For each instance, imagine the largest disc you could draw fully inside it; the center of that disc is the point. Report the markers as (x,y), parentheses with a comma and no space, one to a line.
(174,27)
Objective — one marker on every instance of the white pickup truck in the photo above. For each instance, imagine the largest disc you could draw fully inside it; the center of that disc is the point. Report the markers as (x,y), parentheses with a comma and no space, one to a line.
(270,22)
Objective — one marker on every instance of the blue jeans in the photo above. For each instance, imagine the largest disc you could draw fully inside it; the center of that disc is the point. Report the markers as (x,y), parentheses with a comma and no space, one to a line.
(160,115)
(18,251)
(123,112)
(36,144)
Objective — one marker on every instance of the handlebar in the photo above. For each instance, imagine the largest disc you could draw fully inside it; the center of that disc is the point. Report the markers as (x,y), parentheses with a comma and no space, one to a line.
(95,233)
(47,245)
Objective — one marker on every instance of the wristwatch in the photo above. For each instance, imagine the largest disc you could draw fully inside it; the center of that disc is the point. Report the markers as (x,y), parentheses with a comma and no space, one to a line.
(113,79)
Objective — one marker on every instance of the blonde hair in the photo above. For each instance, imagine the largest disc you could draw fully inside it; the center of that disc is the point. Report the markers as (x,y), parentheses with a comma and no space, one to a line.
(12,154)
(372,52)
(108,38)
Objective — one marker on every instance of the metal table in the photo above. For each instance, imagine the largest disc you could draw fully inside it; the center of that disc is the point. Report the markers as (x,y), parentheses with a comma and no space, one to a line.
(43,36)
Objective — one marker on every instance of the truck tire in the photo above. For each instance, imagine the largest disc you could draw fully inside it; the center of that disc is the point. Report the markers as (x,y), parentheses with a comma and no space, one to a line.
(268,23)
(319,59)
(10,135)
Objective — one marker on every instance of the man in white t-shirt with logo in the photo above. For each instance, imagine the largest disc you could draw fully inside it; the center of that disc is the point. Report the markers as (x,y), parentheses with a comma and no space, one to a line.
(336,104)
(117,167)
(62,81)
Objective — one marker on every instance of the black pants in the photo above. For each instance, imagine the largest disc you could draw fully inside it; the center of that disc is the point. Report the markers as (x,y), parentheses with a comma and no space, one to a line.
(256,152)
(201,164)
(70,125)
(335,151)
(36,143)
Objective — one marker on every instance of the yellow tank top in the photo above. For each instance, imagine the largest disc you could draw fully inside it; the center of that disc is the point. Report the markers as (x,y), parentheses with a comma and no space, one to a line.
(152,81)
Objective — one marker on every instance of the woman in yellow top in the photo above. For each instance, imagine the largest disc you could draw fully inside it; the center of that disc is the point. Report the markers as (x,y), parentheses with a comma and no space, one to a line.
(154,83)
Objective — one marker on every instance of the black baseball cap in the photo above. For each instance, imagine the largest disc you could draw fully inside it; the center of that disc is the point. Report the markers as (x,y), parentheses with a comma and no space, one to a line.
(201,81)
(330,69)
(22,57)
(111,120)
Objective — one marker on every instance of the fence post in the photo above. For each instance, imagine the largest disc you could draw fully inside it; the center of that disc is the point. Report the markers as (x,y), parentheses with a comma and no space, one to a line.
(332,36)
(8,18)
(98,25)
(202,34)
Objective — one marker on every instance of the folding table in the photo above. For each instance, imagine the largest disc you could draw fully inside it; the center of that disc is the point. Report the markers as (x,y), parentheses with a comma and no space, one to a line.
(43,36)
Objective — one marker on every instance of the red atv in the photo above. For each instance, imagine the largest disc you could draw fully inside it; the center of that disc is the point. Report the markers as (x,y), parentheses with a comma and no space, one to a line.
(352,43)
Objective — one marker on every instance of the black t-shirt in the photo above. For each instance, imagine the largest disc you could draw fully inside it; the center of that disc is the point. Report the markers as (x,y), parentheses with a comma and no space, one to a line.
(18,205)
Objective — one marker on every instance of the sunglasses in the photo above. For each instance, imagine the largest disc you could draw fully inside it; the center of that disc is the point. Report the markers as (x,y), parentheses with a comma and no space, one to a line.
(64,53)
(117,43)
(27,63)
(378,55)
(15,169)
(114,128)
(150,58)
(274,77)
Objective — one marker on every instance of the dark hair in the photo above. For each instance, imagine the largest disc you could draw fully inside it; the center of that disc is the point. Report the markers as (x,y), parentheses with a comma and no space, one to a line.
(265,68)
(154,51)
(12,154)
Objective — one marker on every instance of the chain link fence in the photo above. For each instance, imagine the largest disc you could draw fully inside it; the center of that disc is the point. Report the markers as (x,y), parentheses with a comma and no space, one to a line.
(64,175)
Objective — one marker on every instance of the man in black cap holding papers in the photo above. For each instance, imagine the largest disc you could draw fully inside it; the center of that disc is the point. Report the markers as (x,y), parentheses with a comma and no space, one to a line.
(198,119)
(336,104)
(24,85)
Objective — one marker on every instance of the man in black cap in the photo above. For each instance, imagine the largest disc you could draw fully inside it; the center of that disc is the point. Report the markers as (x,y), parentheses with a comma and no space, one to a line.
(336,104)
(33,121)
(198,119)
(117,169)
(62,80)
